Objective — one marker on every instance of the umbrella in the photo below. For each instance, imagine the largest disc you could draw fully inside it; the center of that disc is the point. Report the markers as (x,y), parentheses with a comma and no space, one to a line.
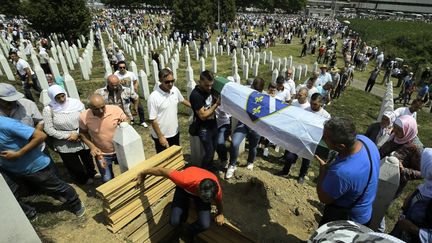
(346,22)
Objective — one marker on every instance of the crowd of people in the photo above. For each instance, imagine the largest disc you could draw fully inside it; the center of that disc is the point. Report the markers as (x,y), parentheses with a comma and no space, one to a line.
(348,178)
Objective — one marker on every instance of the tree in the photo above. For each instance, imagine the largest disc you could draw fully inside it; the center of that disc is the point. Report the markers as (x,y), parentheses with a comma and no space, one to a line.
(69,17)
(227,10)
(10,8)
(193,15)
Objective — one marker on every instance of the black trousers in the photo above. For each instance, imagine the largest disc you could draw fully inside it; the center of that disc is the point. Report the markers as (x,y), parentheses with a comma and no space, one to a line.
(80,165)
(47,181)
(180,210)
(172,141)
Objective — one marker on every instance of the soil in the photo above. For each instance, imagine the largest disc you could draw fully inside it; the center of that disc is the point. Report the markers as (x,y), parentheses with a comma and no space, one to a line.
(266,207)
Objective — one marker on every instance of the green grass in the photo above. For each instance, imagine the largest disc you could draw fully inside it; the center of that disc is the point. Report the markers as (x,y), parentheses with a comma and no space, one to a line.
(355,104)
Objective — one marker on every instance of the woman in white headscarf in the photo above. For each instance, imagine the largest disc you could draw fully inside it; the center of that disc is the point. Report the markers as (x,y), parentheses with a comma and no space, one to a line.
(379,132)
(61,117)
(416,223)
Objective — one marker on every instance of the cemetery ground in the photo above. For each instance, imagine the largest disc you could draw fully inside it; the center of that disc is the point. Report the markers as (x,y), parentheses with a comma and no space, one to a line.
(266,207)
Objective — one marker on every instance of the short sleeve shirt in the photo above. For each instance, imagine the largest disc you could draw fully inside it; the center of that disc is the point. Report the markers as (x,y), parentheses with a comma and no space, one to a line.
(163,107)
(20,65)
(122,98)
(127,78)
(283,95)
(102,129)
(198,100)
(13,136)
(347,178)
(190,178)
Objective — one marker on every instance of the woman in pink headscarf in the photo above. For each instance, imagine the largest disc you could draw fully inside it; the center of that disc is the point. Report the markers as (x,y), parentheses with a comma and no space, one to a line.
(401,143)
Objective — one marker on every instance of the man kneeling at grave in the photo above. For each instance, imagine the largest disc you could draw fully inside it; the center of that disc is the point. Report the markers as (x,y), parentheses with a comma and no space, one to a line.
(193,183)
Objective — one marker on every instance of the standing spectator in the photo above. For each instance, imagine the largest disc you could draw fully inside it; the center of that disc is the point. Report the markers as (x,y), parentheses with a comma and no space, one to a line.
(43,60)
(304,50)
(323,77)
(241,131)
(26,75)
(21,161)
(204,105)
(223,121)
(423,93)
(371,81)
(97,127)
(61,117)
(415,106)
(282,93)
(289,82)
(129,79)
(162,107)
(115,94)
(348,185)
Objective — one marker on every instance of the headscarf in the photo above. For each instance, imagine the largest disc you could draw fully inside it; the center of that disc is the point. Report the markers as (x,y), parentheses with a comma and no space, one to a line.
(409,127)
(426,171)
(69,106)
(392,118)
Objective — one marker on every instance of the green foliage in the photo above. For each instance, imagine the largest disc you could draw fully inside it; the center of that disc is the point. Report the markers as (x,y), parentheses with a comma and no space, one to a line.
(10,8)
(408,40)
(289,6)
(69,17)
(198,14)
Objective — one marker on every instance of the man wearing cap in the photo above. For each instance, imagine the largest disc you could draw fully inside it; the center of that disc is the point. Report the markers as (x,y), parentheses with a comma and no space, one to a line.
(26,75)
(323,76)
(193,183)
(14,105)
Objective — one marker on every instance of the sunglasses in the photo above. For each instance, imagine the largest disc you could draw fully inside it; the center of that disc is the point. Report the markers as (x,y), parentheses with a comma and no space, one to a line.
(169,81)
(122,67)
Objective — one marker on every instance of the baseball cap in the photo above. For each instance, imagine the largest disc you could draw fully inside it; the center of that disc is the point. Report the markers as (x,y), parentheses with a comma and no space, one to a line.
(9,93)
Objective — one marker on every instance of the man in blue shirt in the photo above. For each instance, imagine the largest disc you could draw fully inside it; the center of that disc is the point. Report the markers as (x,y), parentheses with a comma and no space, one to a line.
(21,159)
(351,181)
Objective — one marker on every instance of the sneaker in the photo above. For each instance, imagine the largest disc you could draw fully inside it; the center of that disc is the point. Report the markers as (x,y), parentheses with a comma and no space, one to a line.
(144,124)
(266,152)
(249,166)
(97,176)
(300,180)
(81,211)
(230,171)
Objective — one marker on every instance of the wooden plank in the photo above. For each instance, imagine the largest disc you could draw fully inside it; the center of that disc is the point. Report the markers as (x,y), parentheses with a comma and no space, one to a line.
(148,214)
(146,230)
(130,191)
(132,183)
(144,200)
(123,178)
(160,235)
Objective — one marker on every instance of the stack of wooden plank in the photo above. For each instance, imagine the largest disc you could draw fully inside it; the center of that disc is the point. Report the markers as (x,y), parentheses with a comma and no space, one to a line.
(123,202)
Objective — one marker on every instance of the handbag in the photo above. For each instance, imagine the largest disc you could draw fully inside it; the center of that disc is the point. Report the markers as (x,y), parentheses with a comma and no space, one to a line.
(333,212)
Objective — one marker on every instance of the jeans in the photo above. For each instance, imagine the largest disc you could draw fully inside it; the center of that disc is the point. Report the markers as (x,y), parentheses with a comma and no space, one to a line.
(171,141)
(240,132)
(290,159)
(208,138)
(79,164)
(221,148)
(180,210)
(27,87)
(107,172)
(48,182)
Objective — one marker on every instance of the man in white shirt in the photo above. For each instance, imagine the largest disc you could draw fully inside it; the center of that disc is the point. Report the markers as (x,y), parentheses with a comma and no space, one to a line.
(281,92)
(316,106)
(129,79)
(310,85)
(302,99)
(416,105)
(323,76)
(289,82)
(162,107)
(26,75)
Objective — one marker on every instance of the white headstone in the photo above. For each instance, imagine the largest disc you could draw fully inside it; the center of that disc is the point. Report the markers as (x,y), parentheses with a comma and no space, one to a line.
(202,64)
(70,86)
(270,56)
(165,56)
(6,68)
(146,65)
(134,69)
(271,65)
(54,69)
(173,66)
(54,54)
(275,74)
(144,84)
(79,44)
(84,69)
(298,72)
(278,64)
(255,68)
(63,64)
(205,52)
(128,146)
(290,62)
(242,61)
(304,70)
(314,67)
(76,51)
(155,71)
(264,57)
(134,54)
(246,71)
(162,61)
(44,98)
(190,80)
(41,77)
(214,64)
(69,60)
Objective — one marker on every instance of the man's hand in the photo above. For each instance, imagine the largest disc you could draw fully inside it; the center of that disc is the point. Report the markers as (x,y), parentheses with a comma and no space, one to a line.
(30,82)
(163,141)
(140,179)
(220,219)
(321,161)
(10,155)
(95,151)
(73,137)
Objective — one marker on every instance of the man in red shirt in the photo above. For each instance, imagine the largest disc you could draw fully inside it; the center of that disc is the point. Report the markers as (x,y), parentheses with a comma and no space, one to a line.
(192,183)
